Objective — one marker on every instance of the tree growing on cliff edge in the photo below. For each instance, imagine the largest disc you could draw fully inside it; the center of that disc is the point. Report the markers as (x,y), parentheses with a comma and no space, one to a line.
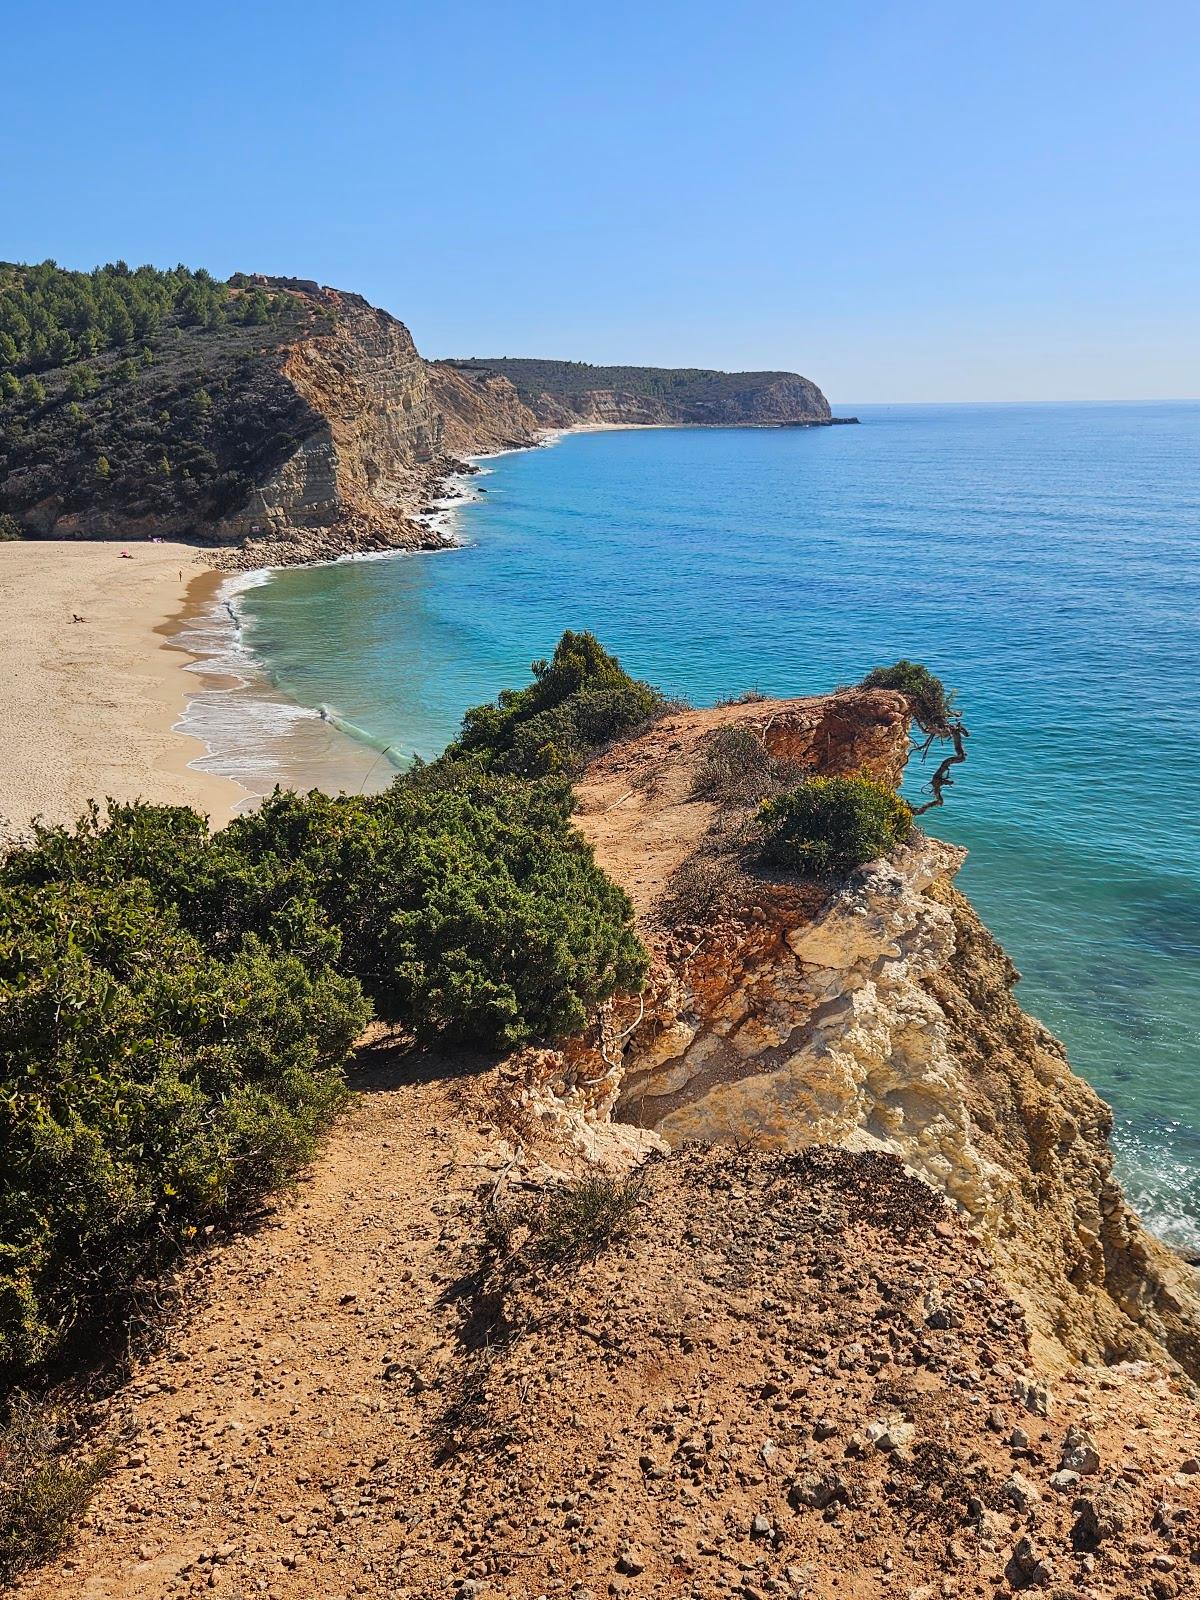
(934,712)
(580,699)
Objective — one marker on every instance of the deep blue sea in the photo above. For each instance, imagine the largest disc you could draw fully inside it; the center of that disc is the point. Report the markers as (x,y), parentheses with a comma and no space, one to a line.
(1044,560)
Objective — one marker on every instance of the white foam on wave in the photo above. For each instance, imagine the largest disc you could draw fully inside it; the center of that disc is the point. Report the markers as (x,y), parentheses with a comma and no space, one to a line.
(242,720)
(1162,1186)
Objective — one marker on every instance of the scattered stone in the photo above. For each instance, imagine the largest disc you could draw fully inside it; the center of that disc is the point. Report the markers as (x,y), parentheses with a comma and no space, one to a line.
(1025,1566)
(1019,1492)
(1033,1395)
(1079,1452)
(817,1490)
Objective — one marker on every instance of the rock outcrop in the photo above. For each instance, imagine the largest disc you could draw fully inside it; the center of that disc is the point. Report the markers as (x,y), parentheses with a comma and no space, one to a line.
(386,429)
(877,1015)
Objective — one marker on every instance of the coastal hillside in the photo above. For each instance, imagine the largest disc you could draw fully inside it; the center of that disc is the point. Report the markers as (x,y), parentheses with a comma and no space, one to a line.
(795,1267)
(278,419)
(563,393)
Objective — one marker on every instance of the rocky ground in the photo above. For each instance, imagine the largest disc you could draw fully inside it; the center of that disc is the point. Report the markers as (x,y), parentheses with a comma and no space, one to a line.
(501,1347)
(780,1375)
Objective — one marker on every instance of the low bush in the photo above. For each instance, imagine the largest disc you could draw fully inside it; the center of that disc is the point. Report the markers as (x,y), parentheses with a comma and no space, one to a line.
(828,826)
(578,701)
(467,905)
(146,1087)
(565,1226)
(44,1487)
(581,1219)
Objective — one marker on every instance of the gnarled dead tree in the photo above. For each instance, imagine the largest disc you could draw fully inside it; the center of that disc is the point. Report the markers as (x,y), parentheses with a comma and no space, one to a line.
(941,780)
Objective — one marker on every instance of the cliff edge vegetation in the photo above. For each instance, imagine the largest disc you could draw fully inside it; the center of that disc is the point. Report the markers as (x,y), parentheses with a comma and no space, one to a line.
(716,1206)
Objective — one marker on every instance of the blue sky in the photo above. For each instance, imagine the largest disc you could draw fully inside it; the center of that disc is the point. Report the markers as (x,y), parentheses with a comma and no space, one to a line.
(906,201)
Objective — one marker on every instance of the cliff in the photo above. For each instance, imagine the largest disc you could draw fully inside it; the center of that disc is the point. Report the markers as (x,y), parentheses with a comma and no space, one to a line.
(284,421)
(803,1275)
(878,1016)
(459,1367)
(562,394)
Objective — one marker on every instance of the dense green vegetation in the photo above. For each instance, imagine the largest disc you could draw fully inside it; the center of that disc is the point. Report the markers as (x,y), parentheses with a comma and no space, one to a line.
(128,393)
(152,1080)
(50,318)
(579,700)
(176,1007)
(828,826)
(932,703)
(682,386)
(466,904)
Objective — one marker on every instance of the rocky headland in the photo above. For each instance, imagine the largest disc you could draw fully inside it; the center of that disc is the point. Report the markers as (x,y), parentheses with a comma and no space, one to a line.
(804,1274)
(284,421)
(565,394)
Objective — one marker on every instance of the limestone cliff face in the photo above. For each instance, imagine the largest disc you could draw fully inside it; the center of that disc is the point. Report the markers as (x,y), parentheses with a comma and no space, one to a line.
(878,1015)
(372,455)
(563,394)
(480,413)
(790,400)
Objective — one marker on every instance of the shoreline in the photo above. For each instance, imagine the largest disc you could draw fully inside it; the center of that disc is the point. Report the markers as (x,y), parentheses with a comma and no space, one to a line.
(102,708)
(91,707)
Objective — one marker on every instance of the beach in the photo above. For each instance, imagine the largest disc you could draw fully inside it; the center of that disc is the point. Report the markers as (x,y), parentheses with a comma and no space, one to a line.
(89,707)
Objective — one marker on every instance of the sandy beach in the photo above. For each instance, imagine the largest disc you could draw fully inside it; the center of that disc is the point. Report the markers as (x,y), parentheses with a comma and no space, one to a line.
(88,707)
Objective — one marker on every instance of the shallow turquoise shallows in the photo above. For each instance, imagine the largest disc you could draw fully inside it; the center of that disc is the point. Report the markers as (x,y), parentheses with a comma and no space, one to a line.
(1043,559)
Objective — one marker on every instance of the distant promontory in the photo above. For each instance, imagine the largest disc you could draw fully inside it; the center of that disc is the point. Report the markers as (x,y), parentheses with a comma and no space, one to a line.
(562,394)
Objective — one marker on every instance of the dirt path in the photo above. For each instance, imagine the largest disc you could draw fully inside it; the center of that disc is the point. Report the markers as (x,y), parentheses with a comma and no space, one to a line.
(274,1427)
(797,1379)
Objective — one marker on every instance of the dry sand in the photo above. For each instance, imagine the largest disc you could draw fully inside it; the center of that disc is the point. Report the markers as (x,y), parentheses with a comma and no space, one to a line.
(87,708)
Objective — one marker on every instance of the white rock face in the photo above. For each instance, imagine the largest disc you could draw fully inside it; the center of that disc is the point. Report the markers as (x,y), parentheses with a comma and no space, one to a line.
(833,1041)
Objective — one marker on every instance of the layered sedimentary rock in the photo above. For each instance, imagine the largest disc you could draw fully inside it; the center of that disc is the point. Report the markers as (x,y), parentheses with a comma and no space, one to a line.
(877,1015)
(380,440)
(562,394)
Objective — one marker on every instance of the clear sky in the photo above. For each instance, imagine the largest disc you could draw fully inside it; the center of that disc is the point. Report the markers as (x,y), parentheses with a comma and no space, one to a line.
(903,199)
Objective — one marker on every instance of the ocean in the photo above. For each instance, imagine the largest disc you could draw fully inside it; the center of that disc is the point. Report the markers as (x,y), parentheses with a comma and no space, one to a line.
(1043,559)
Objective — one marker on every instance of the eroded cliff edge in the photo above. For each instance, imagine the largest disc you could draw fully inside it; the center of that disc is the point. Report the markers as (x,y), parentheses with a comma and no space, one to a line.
(878,1016)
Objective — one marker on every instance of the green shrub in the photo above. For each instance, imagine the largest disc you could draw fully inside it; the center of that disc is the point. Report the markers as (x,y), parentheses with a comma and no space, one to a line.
(831,825)
(467,905)
(581,1219)
(10,528)
(579,700)
(736,765)
(44,1489)
(932,703)
(148,1084)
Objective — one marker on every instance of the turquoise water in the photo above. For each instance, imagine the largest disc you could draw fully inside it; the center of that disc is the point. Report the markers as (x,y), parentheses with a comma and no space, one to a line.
(1043,559)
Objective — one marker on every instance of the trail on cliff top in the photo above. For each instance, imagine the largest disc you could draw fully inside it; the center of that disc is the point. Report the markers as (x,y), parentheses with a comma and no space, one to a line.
(797,1377)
